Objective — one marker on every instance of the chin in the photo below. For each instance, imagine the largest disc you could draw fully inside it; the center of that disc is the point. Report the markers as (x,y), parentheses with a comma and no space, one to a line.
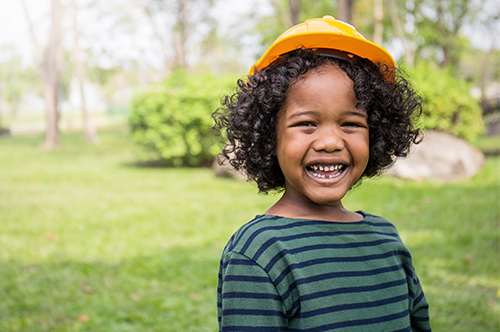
(327,200)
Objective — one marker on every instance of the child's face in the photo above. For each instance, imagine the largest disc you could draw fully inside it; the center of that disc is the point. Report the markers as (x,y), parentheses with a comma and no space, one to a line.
(323,142)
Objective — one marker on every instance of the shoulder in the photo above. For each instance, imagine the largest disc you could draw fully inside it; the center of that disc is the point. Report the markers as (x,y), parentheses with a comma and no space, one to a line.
(259,232)
(383,226)
(379,223)
(264,229)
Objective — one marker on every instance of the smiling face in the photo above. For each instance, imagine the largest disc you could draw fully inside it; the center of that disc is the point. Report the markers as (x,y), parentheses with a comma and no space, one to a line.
(323,142)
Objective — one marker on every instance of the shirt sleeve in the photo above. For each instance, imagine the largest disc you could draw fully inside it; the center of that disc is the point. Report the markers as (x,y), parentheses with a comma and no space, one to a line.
(247,300)
(419,313)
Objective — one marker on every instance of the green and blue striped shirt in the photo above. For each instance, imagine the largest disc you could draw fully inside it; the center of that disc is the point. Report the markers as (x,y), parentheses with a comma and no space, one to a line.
(284,274)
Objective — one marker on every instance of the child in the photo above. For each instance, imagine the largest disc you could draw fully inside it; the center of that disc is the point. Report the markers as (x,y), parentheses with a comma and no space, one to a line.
(322,109)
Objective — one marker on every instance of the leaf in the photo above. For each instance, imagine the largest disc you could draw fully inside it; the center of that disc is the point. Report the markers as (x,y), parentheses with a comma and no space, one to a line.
(83,318)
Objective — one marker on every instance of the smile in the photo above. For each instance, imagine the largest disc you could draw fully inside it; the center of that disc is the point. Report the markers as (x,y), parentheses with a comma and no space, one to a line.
(326,171)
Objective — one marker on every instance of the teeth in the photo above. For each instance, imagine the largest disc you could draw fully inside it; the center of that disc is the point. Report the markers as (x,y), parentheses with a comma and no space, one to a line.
(330,168)
(327,168)
(322,176)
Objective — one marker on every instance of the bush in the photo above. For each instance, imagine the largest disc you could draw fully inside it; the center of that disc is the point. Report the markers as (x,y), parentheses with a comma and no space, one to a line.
(448,104)
(174,121)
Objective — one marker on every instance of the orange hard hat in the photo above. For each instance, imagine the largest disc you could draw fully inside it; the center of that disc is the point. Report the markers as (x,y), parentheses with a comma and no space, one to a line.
(324,33)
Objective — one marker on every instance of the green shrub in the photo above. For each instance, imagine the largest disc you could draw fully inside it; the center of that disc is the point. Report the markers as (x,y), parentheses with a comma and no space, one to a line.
(448,104)
(174,121)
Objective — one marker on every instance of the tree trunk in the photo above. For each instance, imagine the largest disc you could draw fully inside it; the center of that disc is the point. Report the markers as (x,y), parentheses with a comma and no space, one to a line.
(284,14)
(1,120)
(52,69)
(88,128)
(51,117)
(450,31)
(378,11)
(345,10)
(447,49)
(179,34)
(49,68)
(398,28)
(294,11)
(167,60)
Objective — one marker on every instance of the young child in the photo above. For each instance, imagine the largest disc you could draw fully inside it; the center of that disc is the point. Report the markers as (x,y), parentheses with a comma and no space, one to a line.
(321,109)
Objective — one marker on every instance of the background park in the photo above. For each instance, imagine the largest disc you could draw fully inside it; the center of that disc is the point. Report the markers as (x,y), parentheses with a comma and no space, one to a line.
(111,218)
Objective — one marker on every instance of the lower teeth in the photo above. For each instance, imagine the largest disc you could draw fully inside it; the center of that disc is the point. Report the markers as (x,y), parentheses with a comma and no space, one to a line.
(322,176)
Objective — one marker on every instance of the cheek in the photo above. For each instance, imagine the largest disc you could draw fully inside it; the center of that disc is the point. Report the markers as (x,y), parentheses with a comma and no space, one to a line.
(364,152)
(290,149)
(287,158)
(360,148)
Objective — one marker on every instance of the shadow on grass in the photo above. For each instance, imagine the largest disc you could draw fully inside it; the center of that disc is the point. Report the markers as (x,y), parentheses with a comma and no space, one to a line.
(147,164)
(162,164)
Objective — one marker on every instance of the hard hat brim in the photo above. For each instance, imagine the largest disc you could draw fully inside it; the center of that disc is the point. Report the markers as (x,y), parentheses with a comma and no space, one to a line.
(327,40)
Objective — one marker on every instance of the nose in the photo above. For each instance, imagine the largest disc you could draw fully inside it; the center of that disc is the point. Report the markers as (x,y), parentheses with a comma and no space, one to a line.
(329,140)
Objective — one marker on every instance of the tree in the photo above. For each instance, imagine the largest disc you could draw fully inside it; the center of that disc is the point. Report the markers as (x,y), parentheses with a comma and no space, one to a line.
(289,13)
(14,81)
(378,15)
(431,30)
(89,130)
(405,35)
(345,10)
(49,68)
(441,30)
(186,15)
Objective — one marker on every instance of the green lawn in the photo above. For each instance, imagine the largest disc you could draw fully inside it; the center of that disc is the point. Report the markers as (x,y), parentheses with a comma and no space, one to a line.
(91,242)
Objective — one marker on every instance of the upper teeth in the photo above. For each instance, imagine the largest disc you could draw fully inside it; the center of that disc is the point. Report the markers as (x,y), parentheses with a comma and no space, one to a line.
(327,168)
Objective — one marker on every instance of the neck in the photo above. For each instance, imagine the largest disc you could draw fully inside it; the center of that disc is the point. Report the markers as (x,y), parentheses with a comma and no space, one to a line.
(289,207)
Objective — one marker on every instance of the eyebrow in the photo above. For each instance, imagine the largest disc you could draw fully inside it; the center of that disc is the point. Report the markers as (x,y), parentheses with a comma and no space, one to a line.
(294,115)
(358,113)
(351,112)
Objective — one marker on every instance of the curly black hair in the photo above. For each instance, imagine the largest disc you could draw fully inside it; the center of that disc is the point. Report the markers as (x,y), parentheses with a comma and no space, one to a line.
(249,115)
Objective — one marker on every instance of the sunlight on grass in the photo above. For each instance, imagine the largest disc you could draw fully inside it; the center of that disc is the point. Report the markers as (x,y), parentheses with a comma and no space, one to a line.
(422,237)
(92,242)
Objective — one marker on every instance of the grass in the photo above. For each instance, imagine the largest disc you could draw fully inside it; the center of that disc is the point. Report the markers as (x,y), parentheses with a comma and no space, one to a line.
(92,242)
(489,144)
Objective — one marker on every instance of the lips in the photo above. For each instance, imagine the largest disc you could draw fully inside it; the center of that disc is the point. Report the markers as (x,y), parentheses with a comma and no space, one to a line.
(326,171)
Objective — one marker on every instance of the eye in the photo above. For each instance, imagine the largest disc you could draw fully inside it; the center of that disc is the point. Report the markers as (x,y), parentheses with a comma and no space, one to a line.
(354,124)
(304,124)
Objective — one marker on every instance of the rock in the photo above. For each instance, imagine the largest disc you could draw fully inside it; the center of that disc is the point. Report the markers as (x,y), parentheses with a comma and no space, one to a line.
(493,128)
(225,170)
(439,156)
(5,132)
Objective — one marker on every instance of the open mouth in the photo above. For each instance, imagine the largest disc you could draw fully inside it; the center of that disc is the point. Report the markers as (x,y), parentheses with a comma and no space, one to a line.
(326,171)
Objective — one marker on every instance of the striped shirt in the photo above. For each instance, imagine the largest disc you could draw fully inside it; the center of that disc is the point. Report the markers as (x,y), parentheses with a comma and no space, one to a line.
(284,274)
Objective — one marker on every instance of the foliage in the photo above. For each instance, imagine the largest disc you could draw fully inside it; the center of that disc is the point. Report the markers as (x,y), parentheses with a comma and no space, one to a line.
(439,25)
(431,30)
(15,81)
(448,104)
(186,15)
(490,145)
(476,63)
(174,119)
(270,27)
(91,243)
